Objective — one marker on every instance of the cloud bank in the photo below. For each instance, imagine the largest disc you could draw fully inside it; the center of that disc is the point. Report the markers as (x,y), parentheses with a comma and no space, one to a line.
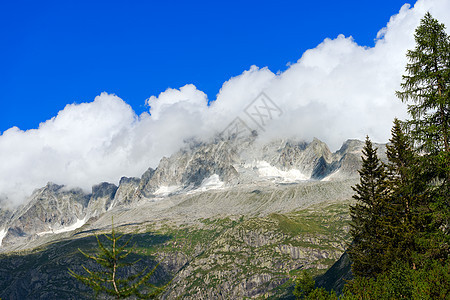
(336,91)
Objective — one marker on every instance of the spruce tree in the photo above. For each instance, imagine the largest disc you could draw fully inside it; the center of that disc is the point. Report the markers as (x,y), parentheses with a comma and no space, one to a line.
(368,215)
(402,213)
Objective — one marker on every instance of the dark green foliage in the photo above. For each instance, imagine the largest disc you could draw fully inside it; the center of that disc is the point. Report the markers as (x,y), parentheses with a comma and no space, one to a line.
(321,294)
(426,85)
(413,228)
(111,259)
(401,282)
(303,286)
(432,281)
(401,158)
(42,273)
(368,215)
(401,213)
(427,89)
(434,206)
(400,223)
(304,289)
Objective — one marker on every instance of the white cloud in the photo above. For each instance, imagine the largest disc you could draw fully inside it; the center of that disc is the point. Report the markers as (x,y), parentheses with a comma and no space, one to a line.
(336,91)
(187,100)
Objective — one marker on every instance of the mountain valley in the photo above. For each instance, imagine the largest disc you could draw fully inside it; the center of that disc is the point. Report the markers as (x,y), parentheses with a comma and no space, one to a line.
(225,219)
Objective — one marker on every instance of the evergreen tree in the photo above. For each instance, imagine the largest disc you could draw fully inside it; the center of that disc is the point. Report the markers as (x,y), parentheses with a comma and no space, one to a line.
(368,215)
(427,88)
(401,210)
(402,250)
(401,282)
(304,286)
(111,260)
(400,155)
(304,289)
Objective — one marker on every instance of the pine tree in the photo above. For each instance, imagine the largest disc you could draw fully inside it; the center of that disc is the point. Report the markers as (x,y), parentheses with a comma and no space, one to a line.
(111,260)
(368,215)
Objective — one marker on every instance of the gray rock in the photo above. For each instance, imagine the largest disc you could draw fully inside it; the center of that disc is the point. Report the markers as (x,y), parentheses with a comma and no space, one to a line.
(236,164)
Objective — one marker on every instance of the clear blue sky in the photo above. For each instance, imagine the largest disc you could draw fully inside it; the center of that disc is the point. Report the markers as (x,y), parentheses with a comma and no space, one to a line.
(53,53)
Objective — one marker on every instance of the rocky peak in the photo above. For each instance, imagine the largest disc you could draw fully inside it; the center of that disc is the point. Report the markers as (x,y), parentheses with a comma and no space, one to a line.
(189,167)
(198,167)
(128,190)
(102,190)
(100,199)
(351,146)
(51,188)
(320,149)
(50,209)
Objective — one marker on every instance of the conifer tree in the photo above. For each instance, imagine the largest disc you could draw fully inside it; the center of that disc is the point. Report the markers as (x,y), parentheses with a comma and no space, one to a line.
(304,286)
(412,228)
(368,215)
(401,209)
(426,88)
(111,259)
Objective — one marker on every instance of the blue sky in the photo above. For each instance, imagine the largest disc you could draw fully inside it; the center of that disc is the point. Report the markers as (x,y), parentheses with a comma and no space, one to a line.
(58,58)
(54,53)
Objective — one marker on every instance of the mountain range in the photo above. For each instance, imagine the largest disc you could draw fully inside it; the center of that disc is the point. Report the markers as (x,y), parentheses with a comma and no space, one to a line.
(245,196)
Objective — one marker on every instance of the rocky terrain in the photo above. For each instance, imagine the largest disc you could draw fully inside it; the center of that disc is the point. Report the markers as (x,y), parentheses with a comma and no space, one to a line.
(226,220)
(229,255)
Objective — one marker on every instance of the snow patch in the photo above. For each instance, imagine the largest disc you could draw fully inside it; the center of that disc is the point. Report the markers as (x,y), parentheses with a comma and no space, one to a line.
(165,190)
(267,170)
(74,226)
(2,235)
(213,182)
(210,183)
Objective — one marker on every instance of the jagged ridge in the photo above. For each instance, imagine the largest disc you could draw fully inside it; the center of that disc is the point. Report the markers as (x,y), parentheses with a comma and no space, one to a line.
(54,208)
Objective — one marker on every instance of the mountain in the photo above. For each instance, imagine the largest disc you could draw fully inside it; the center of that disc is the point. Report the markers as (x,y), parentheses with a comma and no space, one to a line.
(238,219)
(55,209)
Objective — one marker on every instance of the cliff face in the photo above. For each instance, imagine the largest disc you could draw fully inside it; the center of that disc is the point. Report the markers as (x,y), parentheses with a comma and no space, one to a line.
(253,257)
(55,209)
(50,209)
